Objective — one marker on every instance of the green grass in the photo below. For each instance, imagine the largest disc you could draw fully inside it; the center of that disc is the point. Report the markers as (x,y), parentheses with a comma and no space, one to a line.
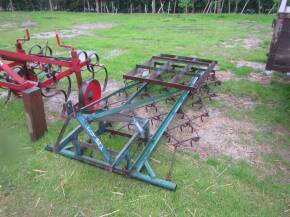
(216,187)
(242,71)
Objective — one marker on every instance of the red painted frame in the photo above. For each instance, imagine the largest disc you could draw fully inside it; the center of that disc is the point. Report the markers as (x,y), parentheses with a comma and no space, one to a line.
(20,57)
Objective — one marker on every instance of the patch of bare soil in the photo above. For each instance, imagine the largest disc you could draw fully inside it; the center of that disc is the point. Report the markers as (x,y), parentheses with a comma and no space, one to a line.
(227,45)
(75,32)
(260,78)
(112,86)
(28,22)
(246,21)
(114,53)
(252,42)
(62,33)
(254,65)
(98,25)
(219,134)
(225,75)
(231,101)
(222,135)
(51,18)
(53,106)
(7,25)
(3,94)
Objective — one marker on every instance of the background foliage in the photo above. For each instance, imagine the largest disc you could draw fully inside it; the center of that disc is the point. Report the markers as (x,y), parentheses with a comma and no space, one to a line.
(146,6)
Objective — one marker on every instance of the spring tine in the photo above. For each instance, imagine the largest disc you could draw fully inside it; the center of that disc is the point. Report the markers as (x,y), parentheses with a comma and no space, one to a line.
(191,127)
(153,106)
(8,97)
(191,142)
(146,108)
(126,94)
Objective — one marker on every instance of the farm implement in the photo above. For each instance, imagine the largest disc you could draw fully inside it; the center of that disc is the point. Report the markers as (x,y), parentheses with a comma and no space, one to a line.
(38,67)
(161,99)
(279,54)
(119,132)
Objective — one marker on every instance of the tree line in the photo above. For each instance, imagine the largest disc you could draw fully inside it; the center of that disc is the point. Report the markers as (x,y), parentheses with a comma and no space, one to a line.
(145,6)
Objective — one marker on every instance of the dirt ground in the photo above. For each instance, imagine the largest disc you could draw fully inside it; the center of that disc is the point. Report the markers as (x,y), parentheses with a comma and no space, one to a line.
(254,65)
(247,43)
(80,29)
(219,134)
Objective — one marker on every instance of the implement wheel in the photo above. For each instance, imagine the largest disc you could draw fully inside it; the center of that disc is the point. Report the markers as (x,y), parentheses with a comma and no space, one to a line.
(90,91)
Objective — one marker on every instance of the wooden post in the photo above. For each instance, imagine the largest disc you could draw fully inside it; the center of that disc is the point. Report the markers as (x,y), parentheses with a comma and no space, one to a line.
(35,115)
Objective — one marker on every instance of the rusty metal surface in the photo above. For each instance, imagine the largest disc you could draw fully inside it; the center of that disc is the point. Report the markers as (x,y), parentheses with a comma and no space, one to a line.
(170,71)
(279,55)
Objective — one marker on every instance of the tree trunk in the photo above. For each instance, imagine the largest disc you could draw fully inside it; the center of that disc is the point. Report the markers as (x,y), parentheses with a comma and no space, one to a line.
(153,6)
(50,5)
(113,7)
(169,7)
(222,8)
(174,8)
(209,7)
(229,8)
(97,6)
(107,8)
(270,11)
(131,7)
(11,5)
(206,6)
(219,6)
(236,7)
(193,6)
(161,7)
(245,6)
(89,7)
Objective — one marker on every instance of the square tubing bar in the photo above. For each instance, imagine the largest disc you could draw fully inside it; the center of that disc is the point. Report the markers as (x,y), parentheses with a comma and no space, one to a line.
(86,126)
(92,117)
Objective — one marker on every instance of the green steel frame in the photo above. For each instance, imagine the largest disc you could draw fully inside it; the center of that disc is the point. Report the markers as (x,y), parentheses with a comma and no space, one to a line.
(122,162)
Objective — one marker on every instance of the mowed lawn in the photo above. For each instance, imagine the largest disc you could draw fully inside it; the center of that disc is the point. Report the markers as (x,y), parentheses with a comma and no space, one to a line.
(34,182)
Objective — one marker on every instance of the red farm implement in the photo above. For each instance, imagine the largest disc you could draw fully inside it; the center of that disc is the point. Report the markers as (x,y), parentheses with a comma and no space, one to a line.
(21,70)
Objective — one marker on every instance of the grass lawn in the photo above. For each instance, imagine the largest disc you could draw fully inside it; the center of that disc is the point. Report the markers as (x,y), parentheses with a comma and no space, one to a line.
(34,182)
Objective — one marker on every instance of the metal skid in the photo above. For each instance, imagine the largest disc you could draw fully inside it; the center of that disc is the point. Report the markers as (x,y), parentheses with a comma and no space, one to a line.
(117,116)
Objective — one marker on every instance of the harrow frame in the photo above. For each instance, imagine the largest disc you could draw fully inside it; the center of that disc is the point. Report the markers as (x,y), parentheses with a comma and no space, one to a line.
(124,161)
